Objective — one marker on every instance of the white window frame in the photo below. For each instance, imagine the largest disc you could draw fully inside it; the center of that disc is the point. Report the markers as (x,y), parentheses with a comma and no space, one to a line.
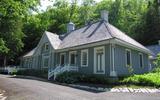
(72,52)
(61,57)
(142,60)
(130,56)
(84,51)
(104,58)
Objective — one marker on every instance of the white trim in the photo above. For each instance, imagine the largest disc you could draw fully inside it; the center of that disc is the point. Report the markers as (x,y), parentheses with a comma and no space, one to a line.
(110,54)
(82,51)
(113,54)
(72,52)
(130,56)
(113,73)
(104,42)
(103,60)
(142,60)
(64,57)
(83,46)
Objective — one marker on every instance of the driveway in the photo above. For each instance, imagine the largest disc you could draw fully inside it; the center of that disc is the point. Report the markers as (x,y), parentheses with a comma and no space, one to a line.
(28,89)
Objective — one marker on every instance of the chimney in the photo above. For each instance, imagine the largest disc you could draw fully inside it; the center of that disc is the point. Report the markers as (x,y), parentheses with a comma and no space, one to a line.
(104,15)
(70,27)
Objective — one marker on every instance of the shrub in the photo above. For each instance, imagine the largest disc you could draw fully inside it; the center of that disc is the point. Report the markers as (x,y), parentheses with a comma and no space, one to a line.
(33,72)
(150,79)
(157,64)
(95,79)
(68,77)
(74,77)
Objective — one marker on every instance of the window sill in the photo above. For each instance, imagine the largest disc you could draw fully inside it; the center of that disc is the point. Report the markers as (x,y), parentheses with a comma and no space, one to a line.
(84,65)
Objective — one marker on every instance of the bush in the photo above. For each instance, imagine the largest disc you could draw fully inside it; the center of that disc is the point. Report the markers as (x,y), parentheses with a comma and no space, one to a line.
(33,72)
(150,79)
(68,77)
(74,77)
(95,79)
(156,70)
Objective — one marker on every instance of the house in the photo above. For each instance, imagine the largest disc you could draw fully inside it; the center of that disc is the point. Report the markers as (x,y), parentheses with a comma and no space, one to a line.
(97,48)
(156,50)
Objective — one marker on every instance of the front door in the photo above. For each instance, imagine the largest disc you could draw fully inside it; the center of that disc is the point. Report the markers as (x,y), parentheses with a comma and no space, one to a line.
(99,60)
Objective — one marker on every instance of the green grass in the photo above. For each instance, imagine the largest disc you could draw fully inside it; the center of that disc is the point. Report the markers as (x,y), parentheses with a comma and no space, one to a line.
(150,79)
(131,86)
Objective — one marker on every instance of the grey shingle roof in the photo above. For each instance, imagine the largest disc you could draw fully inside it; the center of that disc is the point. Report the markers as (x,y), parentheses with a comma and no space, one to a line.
(155,49)
(54,39)
(30,53)
(88,34)
(96,32)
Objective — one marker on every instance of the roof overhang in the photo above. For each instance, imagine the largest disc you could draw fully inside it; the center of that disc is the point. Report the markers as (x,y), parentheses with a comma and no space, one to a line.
(108,41)
(129,45)
(97,43)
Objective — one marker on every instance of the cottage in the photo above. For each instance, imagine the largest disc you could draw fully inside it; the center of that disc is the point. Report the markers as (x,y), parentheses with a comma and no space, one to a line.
(97,48)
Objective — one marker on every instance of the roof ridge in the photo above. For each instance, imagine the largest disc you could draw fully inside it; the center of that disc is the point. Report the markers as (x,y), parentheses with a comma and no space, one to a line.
(88,25)
(106,25)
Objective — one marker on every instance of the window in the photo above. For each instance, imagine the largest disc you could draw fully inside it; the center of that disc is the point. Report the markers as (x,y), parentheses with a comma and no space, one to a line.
(46,62)
(72,58)
(140,60)
(46,47)
(30,63)
(84,57)
(62,59)
(128,58)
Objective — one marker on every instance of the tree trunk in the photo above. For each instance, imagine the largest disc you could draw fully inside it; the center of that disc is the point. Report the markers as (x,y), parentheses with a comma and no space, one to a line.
(5,61)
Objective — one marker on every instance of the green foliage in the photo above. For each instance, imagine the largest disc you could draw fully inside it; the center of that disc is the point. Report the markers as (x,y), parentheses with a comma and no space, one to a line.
(12,14)
(33,72)
(157,64)
(130,69)
(150,79)
(68,77)
(74,77)
(3,48)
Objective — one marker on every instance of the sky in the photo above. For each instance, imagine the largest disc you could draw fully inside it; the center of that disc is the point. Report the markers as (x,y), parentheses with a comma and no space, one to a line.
(46,3)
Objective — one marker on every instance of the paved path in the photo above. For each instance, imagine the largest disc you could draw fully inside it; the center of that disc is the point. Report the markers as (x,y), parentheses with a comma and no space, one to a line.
(27,89)
(120,89)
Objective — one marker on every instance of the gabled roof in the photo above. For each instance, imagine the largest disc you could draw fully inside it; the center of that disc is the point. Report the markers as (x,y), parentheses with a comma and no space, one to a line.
(30,53)
(54,39)
(155,49)
(96,32)
(88,34)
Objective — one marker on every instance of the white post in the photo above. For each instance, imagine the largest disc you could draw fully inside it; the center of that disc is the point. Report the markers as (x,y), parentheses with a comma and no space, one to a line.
(113,72)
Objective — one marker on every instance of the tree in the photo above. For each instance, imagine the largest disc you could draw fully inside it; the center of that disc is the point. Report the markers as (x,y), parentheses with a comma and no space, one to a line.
(12,14)
(150,25)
